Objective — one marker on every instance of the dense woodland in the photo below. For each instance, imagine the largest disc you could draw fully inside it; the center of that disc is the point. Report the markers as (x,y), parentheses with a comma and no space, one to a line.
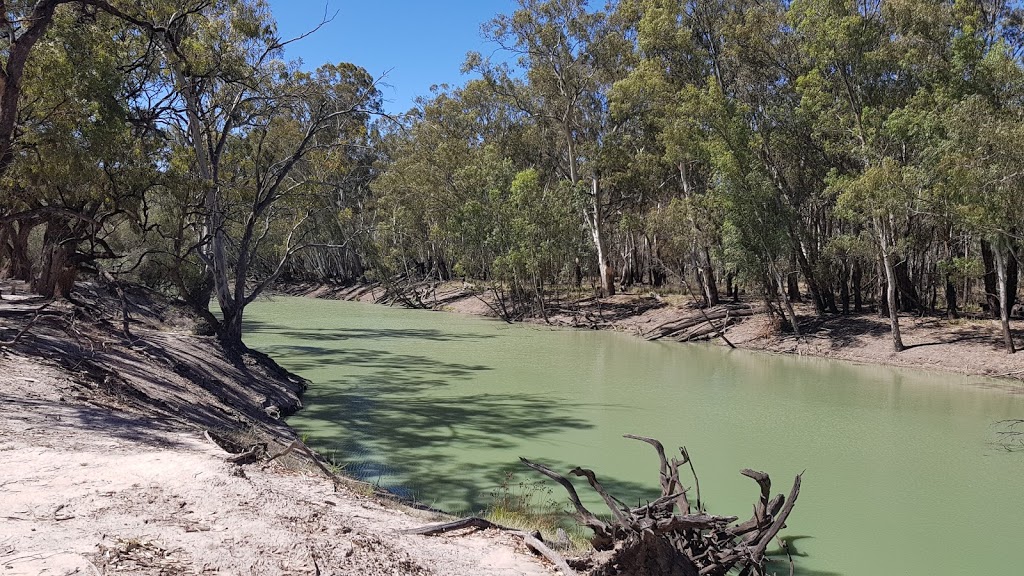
(864,157)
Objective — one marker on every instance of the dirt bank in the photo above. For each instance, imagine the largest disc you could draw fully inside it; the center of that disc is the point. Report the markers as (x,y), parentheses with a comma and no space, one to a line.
(965,346)
(108,467)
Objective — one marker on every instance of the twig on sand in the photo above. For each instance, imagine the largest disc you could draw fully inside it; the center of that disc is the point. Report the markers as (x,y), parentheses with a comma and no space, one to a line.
(28,326)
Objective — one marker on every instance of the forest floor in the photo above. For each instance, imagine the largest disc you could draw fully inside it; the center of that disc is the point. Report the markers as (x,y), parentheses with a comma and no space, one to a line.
(110,464)
(972,346)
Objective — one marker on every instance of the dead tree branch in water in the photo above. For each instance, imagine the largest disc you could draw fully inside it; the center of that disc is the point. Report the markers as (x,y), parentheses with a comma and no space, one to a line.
(1011,434)
(664,538)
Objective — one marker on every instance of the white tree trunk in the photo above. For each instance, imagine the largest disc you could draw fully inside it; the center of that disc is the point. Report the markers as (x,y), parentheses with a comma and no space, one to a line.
(595,222)
(999,252)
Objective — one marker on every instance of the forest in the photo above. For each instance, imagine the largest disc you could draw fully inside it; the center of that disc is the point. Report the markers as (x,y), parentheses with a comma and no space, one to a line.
(861,156)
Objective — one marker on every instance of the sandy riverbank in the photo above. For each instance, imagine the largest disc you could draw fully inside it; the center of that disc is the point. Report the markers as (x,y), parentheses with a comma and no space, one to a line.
(108,469)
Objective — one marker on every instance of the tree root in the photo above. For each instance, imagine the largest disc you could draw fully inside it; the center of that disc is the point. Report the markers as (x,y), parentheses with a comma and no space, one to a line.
(661,538)
(665,538)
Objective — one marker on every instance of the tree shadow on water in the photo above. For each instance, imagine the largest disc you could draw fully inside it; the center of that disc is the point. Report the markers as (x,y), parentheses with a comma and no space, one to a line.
(318,334)
(384,372)
(395,415)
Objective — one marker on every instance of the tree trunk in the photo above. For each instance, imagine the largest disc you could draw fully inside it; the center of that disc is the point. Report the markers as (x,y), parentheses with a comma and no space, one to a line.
(14,250)
(991,282)
(793,287)
(595,222)
(198,296)
(729,290)
(951,303)
(647,554)
(701,255)
(891,283)
(1012,276)
(708,278)
(6,250)
(908,297)
(787,306)
(829,298)
(230,332)
(999,253)
(951,306)
(18,49)
(813,286)
(844,288)
(57,268)
(858,298)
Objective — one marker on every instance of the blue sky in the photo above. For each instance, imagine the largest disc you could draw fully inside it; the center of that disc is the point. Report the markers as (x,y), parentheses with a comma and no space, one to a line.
(417,43)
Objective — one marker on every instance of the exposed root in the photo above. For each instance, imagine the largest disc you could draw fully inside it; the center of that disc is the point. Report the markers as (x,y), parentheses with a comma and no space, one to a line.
(665,538)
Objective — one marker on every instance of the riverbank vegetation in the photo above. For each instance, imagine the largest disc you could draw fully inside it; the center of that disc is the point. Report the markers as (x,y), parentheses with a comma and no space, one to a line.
(836,152)
(858,157)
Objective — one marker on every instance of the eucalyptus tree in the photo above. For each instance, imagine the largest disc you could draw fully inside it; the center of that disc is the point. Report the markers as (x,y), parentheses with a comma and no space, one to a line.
(849,93)
(339,230)
(570,56)
(716,83)
(675,69)
(84,163)
(987,162)
(245,125)
(290,128)
(432,200)
(213,57)
(22,25)
(981,157)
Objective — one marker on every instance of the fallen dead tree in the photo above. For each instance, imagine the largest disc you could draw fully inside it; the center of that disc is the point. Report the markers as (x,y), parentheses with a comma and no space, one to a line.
(704,325)
(666,537)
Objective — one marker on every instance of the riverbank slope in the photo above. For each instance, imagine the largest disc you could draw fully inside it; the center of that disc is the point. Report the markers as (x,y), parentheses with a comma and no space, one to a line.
(971,346)
(111,464)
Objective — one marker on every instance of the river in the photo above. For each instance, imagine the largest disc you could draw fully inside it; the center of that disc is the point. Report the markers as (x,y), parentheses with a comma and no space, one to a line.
(903,472)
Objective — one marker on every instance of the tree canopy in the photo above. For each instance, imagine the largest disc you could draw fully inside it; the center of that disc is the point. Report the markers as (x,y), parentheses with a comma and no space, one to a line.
(842,153)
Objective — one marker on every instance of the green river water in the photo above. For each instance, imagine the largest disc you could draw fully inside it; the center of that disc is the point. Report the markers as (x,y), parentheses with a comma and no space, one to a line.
(903,472)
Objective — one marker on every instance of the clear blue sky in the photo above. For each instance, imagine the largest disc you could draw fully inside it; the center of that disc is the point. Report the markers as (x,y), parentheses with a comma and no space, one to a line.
(417,43)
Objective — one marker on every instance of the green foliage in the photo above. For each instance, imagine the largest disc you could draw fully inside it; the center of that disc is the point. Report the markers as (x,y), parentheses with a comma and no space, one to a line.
(751,140)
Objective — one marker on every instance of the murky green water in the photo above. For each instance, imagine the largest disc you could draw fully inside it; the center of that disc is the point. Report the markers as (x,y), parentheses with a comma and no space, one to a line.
(903,475)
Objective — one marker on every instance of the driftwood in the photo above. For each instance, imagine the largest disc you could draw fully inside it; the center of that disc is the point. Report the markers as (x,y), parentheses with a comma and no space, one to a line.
(671,537)
(701,326)
(666,537)
(714,328)
(256,452)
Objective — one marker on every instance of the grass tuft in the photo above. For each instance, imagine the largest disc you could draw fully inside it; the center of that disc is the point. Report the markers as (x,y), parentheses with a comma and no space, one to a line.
(530,506)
